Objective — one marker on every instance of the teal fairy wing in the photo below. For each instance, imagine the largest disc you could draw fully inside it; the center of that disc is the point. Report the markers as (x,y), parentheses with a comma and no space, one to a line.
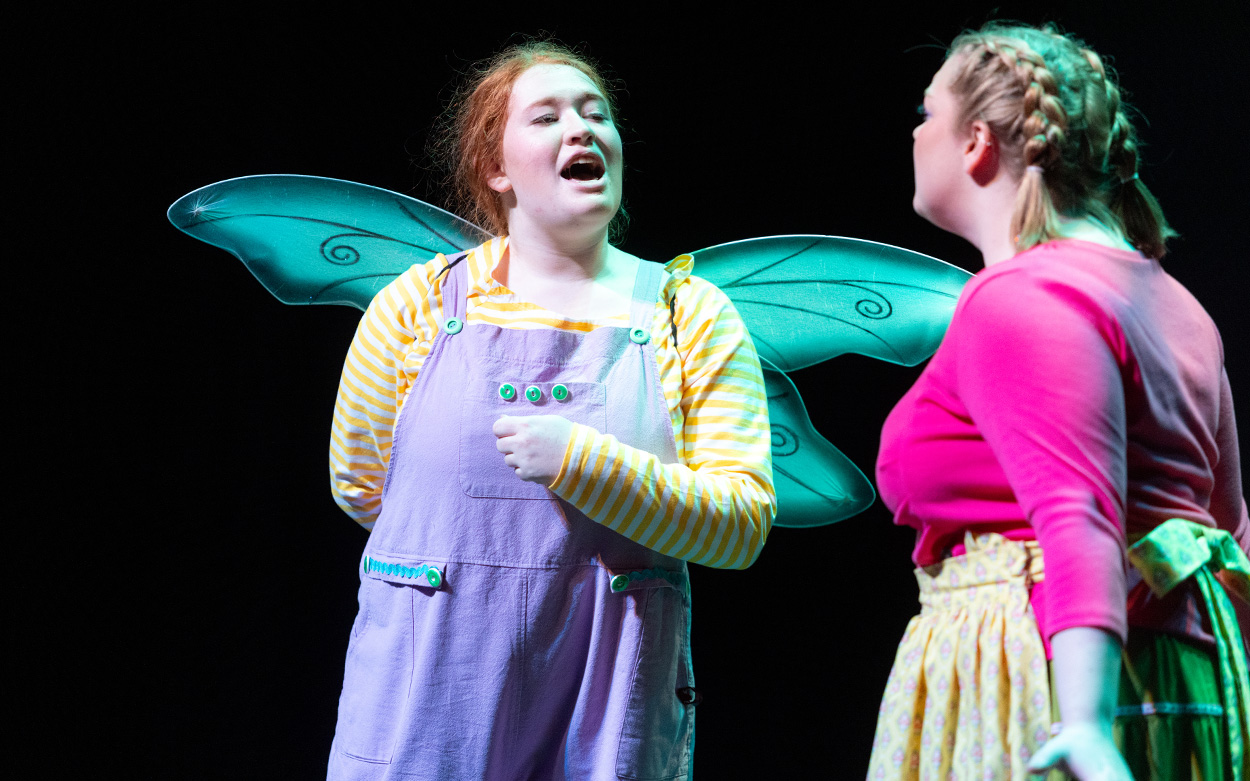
(806,299)
(816,484)
(312,240)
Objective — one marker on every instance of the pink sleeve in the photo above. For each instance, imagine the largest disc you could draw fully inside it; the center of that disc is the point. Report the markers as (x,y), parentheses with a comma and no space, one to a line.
(1039,369)
(1228,505)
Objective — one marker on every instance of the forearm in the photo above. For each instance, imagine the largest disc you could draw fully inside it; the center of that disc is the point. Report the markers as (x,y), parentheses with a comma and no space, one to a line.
(711,517)
(1086,676)
(1086,680)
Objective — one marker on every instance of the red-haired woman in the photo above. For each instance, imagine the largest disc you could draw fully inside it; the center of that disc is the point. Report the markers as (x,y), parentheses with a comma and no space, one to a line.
(1077,404)
(540,433)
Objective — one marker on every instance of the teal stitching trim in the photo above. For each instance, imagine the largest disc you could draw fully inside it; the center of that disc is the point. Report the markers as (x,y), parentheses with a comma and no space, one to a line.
(432,574)
(1170,709)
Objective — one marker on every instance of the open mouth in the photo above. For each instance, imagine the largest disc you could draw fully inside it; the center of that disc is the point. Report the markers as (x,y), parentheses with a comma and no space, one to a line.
(583,169)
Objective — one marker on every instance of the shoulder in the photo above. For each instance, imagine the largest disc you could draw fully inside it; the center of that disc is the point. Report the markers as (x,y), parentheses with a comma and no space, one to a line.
(407,310)
(695,295)
(1050,281)
(421,284)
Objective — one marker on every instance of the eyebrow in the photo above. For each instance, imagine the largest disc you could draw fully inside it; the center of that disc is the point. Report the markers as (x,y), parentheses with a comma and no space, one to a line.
(583,97)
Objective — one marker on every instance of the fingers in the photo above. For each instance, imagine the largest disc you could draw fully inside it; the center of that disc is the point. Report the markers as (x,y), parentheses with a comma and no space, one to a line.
(1047,757)
(522,471)
(506,426)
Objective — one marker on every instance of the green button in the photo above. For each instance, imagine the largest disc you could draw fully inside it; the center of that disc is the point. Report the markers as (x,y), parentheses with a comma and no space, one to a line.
(559,393)
(507,391)
(453,325)
(533,393)
(620,582)
(434,577)
(366,563)
(639,336)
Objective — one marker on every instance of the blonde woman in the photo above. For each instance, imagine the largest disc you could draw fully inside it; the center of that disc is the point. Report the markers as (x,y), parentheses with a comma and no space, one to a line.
(1076,407)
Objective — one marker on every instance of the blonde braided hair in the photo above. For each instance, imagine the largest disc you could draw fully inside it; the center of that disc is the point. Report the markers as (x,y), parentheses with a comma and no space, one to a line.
(1057,113)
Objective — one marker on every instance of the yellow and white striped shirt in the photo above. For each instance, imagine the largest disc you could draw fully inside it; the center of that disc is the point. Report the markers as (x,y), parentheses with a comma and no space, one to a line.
(714,507)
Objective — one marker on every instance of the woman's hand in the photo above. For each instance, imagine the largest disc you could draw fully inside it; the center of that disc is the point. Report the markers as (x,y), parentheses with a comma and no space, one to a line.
(533,445)
(1084,750)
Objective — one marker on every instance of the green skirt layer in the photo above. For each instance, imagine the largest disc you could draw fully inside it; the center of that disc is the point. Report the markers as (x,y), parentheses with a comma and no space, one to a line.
(1170,720)
(1169,723)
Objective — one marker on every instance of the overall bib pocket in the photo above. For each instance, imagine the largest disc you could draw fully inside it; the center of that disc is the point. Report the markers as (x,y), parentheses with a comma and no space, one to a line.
(483,473)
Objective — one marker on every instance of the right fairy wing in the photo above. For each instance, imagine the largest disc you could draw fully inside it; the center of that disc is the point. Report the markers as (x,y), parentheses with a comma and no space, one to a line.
(314,240)
(806,299)
(816,483)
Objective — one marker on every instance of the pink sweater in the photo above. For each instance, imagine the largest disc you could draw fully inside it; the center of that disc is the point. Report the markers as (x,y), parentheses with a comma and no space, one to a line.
(1079,391)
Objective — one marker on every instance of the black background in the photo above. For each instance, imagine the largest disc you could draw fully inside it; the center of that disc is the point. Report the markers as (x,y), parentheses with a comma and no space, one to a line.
(187,583)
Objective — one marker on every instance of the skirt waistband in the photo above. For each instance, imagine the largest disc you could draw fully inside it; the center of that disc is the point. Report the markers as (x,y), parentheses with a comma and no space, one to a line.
(992,568)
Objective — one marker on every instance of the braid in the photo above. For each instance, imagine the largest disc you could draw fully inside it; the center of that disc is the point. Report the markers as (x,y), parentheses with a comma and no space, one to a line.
(1035,219)
(1032,118)
(1053,103)
(1131,202)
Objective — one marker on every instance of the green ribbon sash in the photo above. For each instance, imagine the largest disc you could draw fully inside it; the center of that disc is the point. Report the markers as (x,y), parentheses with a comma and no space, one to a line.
(1178,549)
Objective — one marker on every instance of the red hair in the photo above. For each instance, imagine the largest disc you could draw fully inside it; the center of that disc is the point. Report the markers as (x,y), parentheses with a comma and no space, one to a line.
(470,143)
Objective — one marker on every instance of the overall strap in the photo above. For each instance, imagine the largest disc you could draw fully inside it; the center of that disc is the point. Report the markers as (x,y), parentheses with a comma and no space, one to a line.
(647,284)
(455,286)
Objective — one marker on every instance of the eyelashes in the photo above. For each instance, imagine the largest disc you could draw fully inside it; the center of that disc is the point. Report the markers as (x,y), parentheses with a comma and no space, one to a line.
(594,116)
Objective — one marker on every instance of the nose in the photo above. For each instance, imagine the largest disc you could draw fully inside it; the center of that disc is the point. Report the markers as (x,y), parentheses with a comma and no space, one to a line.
(578,130)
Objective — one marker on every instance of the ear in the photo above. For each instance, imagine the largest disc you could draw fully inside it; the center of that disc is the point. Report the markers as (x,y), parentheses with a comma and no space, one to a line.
(981,151)
(497,180)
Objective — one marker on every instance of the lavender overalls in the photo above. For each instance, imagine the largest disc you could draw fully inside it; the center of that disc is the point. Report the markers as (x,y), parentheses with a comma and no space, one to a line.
(502,634)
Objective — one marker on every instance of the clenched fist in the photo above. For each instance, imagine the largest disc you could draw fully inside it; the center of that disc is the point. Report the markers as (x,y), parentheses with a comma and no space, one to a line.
(533,445)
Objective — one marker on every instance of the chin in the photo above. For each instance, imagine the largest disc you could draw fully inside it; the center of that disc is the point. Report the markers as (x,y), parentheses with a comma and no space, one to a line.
(920,207)
(588,222)
(934,216)
(600,209)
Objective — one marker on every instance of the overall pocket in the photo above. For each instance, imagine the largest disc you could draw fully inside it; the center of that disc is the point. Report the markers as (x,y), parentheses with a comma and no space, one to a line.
(378,673)
(658,727)
(483,472)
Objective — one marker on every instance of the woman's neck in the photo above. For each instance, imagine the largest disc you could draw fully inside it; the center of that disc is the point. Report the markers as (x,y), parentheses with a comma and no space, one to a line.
(579,280)
(563,254)
(989,227)
(998,246)
(989,220)
(557,262)
(1092,229)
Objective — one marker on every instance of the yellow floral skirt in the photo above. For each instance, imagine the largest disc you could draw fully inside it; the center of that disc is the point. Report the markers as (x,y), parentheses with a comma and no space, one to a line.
(969,695)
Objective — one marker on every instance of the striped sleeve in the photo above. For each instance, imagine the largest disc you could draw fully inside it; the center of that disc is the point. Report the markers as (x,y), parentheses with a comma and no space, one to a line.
(391,343)
(716,505)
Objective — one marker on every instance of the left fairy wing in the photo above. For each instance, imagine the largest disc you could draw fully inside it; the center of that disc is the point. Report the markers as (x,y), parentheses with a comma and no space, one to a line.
(815,483)
(806,299)
(313,240)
